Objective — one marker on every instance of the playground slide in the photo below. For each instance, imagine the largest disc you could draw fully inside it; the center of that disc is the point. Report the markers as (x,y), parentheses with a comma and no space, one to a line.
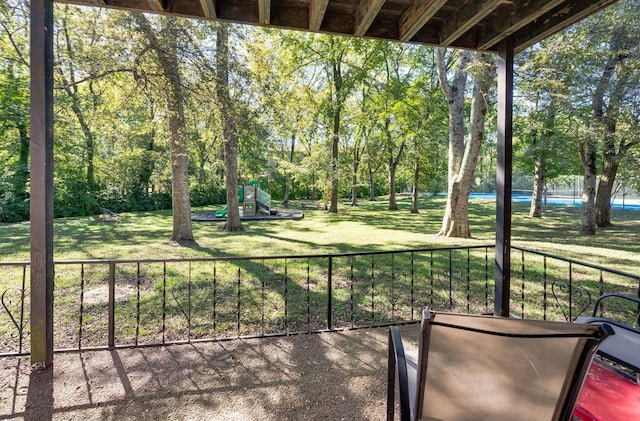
(222,213)
(263,201)
(254,199)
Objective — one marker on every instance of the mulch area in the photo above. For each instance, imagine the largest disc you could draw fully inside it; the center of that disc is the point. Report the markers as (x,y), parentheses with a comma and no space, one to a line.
(210,216)
(326,376)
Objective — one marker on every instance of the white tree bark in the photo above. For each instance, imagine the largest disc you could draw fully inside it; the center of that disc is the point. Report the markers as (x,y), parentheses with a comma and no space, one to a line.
(463,158)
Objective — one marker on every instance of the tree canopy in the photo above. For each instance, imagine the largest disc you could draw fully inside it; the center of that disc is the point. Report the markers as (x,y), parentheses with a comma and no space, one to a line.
(159,113)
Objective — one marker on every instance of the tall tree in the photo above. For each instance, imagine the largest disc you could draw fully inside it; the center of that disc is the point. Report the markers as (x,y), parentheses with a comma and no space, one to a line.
(541,71)
(14,110)
(337,64)
(229,129)
(605,93)
(463,158)
(68,75)
(164,43)
(619,73)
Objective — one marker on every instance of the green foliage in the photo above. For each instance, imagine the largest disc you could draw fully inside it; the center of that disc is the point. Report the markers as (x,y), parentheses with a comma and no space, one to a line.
(283,91)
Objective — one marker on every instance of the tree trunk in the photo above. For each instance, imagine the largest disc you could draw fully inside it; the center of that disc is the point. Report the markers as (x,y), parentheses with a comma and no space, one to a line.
(605,189)
(588,200)
(354,180)
(463,159)
(392,188)
(612,153)
(181,204)
(71,89)
(335,138)
(372,186)
(540,168)
(23,163)
(287,187)
(229,129)
(541,145)
(167,53)
(393,165)
(588,148)
(414,192)
(314,189)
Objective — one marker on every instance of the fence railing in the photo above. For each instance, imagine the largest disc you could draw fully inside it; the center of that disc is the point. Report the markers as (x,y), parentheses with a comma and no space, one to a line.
(128,303)
(550,287)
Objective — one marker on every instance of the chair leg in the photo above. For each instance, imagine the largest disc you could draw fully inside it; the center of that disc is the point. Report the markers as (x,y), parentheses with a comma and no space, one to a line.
(397,371)
(391,380)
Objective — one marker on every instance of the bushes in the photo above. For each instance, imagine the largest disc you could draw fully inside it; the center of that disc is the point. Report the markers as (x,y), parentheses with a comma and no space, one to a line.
(74,199)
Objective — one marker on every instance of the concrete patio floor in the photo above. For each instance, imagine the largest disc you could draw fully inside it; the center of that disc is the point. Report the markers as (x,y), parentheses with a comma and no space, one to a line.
(327,376)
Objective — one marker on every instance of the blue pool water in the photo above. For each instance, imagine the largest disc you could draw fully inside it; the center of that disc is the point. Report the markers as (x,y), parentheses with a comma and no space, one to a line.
(629,204)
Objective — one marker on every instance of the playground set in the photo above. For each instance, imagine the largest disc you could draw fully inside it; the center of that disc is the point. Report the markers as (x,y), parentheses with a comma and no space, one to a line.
(254,200)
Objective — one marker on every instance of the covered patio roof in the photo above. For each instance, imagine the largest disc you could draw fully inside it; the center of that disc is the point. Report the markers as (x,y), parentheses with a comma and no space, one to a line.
(470,24)
(502,26)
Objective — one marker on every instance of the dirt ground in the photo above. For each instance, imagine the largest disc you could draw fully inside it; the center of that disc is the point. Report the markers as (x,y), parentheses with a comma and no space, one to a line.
(327,376)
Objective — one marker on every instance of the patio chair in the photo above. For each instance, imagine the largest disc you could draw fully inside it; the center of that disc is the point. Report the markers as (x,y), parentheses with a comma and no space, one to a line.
(623,347)
(472,367)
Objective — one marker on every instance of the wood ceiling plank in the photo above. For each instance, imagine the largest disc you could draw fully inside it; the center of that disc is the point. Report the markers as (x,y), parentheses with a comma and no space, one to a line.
(466,19)
(316,13)
(417,16)
(208,9)
(264,12)
(156,5)
(519,14)
(565,15)
(366,12)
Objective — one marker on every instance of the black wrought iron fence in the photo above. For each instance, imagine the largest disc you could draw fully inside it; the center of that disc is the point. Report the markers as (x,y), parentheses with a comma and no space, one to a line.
(550,287)
(125,303)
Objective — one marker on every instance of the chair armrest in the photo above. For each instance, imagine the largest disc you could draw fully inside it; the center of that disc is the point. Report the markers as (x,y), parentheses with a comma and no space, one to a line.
(397,370)
(623,346)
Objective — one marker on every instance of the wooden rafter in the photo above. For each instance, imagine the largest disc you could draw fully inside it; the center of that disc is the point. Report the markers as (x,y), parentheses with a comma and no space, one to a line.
(264,12)
(466,19)
(156,5)
(208,9)
(365,14)
(522,13)
(563,16)
(316,13)
(417,16)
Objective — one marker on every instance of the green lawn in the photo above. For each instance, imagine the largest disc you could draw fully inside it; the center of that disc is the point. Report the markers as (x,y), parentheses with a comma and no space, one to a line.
(154,301)
(363,228)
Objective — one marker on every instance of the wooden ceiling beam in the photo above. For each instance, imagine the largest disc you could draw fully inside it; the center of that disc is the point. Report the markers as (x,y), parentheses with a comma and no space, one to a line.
(316,13)
(366,12)
(522,13)
(563,16)
(466,19)
(264,12)
(209,9)
(156,6)
(417,16)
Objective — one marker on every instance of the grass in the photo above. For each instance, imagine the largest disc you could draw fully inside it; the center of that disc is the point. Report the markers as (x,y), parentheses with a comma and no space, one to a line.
(290,295)
(368,227)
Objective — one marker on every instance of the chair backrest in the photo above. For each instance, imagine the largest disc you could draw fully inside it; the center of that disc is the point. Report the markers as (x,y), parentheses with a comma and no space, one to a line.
(493,368)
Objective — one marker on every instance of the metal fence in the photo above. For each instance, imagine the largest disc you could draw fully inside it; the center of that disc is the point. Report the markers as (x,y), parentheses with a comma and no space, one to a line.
(128,303)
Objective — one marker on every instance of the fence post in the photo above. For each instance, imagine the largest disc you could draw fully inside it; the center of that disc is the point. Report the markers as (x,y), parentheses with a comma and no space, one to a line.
(329,294)
(112,304)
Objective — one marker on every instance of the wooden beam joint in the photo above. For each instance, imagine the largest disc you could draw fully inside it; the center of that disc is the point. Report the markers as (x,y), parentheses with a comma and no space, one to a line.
(417,16)
(316,14)
(366,12)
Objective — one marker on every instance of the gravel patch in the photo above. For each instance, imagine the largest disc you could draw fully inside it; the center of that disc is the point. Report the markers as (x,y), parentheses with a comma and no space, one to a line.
(326,376)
